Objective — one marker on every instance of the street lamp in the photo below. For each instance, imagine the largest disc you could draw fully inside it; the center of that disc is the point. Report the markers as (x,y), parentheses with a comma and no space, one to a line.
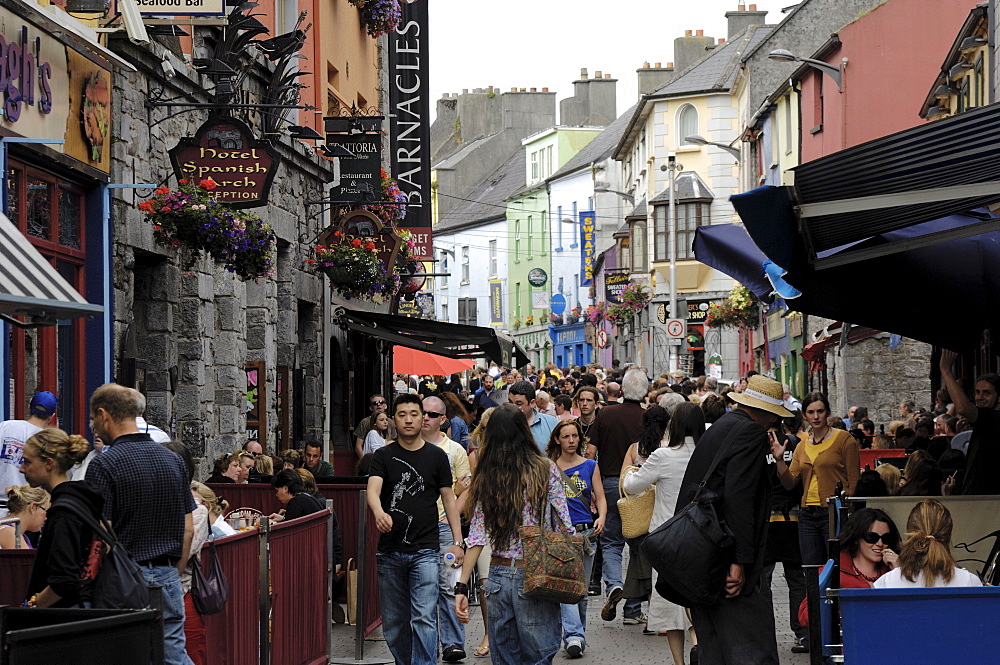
(836,73)
(697,140)
(673,168)
(605,190)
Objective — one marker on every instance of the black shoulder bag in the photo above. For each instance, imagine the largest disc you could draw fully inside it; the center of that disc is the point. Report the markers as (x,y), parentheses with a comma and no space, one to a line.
(119,584)
(692,551)
(209,587)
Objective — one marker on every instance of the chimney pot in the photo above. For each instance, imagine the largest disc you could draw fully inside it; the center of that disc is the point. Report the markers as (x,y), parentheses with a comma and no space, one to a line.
(545,89)
(699,33)
(658,65)
(524,90)
(465,91)
(534,90)
(583,73)
(687,33)
(741,8)
(645,65)
(670,65)
(722,40)
(491,88)
(753,8)
(513,89)
(598,74)
(607,76)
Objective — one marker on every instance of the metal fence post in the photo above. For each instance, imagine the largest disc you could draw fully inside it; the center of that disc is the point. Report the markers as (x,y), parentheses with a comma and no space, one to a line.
(359,625)
(265,591)
(330,576)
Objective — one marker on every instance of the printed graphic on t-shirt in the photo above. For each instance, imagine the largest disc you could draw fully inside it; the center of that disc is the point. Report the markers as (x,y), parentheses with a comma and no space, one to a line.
(410,483)
(11,451)
(576,487)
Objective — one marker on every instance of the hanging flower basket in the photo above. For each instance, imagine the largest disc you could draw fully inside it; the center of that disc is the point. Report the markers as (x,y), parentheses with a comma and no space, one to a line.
(595,313)
(379,16)
(740,310)
(190,217)
(634,298)
(354,268)
(394,210)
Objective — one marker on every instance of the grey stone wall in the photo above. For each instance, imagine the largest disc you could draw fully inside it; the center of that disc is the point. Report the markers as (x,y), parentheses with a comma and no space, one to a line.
(196,327)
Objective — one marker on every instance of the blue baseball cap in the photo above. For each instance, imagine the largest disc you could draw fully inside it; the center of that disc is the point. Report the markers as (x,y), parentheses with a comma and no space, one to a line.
(43,403)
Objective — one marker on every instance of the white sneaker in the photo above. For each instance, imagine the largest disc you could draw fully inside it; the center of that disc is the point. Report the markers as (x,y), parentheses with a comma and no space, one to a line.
(574,648)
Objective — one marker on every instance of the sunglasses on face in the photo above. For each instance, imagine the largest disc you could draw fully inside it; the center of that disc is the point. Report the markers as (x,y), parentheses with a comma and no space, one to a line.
(377,402)
(871,538)
(433,414)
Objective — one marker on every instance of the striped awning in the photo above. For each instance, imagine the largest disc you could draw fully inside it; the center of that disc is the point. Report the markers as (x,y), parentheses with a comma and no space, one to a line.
(30,285)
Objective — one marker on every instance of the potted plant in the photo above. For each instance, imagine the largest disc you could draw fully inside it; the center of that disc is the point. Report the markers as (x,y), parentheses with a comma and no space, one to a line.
(633,299)
(189,217)
(740,310)
(517,324)
(392,209)
(530,321)
(353,266)
(542,318)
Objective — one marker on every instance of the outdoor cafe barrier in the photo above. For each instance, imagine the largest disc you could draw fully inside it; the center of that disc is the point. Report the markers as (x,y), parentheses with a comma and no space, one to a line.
(231,636)
(346,505)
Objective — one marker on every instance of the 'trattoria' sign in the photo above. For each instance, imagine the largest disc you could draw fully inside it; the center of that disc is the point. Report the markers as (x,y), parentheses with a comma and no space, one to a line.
(225,150)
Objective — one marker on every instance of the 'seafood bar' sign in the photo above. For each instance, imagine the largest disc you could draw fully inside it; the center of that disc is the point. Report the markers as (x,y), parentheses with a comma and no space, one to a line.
(167,8)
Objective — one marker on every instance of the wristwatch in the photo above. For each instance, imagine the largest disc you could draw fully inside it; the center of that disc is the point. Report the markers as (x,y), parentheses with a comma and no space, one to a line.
(459,543)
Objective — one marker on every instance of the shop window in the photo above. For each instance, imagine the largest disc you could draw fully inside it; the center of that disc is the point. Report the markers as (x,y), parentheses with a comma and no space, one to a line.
(689,217)
(49,211)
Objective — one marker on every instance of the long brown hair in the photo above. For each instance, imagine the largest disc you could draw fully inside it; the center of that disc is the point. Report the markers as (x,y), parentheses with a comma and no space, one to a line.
(928,542)
(554,450)
(510,470)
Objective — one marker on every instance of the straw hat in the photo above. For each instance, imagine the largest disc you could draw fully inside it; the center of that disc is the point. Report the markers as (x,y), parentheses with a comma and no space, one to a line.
(762,393)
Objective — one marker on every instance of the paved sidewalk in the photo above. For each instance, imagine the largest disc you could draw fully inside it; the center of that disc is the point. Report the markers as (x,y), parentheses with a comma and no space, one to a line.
(607,642)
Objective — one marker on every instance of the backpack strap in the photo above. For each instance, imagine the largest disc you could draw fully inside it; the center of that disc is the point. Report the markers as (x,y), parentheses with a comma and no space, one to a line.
(101,528)
(718,456)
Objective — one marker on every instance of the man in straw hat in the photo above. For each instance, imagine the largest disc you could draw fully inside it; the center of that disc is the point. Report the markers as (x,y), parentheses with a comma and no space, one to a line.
(739,628)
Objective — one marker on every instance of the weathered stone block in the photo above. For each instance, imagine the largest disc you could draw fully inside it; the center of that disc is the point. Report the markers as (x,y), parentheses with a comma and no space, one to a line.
(193,373)
(229,419)
(188,403)
(230,377)
(227,348)
(189,320)
(228,397)
(159,316)
(229,314)
(191,350)
(193,436)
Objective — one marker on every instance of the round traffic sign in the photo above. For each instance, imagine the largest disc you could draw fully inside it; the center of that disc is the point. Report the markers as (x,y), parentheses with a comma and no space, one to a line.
(675,328)
(558,303)
(602,339)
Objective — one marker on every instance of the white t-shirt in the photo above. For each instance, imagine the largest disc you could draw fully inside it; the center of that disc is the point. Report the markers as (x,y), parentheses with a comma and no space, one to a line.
(154,432)
(373,442)
(894,580)
(13,435)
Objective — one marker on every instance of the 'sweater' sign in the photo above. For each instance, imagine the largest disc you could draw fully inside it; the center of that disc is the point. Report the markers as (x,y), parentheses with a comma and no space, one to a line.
(409,121)
(588,244)
(225,150)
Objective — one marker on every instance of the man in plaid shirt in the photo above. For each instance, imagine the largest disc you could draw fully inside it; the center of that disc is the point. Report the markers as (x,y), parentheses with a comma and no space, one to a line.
(148,502)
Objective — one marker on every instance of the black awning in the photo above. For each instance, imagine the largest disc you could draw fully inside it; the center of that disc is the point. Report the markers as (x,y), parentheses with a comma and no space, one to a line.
(30,286)
(453,340)
(918,175)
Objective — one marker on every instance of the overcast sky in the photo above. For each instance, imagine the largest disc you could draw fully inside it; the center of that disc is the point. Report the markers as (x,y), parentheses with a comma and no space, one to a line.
(544,43)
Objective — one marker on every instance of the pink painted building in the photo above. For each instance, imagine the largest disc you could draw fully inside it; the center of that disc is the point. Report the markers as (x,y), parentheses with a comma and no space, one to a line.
(886,56)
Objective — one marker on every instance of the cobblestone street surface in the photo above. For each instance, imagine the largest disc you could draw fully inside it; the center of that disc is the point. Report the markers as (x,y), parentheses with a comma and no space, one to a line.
(607,642)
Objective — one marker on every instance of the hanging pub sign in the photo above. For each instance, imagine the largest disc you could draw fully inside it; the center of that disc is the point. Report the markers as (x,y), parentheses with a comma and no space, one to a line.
(163,8)
(410,121)
(359,178)
(614,285)
(225,150)
(537,277)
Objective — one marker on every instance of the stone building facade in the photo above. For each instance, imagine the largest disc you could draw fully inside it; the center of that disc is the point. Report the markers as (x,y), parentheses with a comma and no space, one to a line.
(201,337)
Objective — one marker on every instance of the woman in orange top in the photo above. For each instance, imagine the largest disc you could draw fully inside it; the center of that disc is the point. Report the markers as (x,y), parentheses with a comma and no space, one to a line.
(825,457)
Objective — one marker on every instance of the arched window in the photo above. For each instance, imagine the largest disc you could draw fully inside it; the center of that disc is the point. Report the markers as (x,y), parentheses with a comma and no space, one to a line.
(687,123)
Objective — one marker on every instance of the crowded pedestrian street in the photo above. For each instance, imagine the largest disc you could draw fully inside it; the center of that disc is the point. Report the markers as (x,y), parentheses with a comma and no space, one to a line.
(438,331)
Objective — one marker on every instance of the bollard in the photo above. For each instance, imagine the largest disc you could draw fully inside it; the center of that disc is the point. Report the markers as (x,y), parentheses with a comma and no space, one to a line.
(359,625)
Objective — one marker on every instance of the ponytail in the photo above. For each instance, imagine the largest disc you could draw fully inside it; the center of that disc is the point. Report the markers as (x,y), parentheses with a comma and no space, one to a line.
(927,547)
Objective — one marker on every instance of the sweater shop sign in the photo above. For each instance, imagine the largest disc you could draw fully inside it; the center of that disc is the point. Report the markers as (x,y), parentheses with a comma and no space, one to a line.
(226,151)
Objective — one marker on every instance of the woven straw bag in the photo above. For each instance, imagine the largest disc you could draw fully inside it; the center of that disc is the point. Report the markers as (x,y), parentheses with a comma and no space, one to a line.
(636,510)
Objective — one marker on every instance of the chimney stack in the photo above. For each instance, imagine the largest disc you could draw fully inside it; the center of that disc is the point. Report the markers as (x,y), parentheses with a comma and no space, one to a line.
(653,78)
(690,49)
(743,18)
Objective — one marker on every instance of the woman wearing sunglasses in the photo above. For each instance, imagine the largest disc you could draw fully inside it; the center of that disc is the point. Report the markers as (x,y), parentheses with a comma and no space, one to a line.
(868,544)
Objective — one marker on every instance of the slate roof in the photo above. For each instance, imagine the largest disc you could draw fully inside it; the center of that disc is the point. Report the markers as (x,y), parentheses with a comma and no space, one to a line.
(640,210)
(599,149)
(487,202)
(717,72)
(690,186)
(454,159)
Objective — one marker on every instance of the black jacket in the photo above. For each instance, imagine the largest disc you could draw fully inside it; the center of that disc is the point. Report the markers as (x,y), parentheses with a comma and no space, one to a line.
(741,482)
(65,543)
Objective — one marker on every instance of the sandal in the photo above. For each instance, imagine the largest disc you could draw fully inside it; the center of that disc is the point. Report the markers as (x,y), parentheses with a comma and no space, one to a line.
(481,652)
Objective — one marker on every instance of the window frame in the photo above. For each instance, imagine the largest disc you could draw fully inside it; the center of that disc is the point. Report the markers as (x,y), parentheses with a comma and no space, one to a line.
(683,112)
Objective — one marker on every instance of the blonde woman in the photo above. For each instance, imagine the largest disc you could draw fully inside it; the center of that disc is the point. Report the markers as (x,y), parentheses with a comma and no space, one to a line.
(217,507)
(195,643)
(28,504)
(925,558)
(58,577)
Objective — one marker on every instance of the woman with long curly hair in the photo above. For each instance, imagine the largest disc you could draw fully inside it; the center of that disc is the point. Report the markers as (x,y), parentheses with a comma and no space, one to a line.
(925,558)
(514,486)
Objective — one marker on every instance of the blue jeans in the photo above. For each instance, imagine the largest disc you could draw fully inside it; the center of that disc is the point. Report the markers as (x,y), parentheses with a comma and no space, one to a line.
(574,617)
(523,631)
(166,579)
(408,586)
(612,544)
(450,631)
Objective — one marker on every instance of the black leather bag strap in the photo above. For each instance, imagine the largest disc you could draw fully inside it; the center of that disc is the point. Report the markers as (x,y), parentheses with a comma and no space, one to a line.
(101,528)
(718,457)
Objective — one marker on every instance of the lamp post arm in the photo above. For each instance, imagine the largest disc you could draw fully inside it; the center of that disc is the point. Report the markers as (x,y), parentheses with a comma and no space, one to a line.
(834,72)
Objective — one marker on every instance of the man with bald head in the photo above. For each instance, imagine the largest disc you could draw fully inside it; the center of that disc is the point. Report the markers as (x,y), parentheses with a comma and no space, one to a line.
(450,631)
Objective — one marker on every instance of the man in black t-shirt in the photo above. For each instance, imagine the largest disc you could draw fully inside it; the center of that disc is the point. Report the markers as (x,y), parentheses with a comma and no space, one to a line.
(407,478)
(983,456)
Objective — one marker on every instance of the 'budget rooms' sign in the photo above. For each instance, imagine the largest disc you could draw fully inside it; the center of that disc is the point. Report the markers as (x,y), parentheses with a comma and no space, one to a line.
(225,150)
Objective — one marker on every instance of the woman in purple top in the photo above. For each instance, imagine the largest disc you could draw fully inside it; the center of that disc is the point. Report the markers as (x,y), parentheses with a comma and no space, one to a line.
(579,476)
(514,486)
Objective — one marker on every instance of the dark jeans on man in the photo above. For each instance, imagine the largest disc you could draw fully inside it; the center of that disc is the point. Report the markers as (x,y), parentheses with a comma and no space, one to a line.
(814,531)
(612,545)
(737,631)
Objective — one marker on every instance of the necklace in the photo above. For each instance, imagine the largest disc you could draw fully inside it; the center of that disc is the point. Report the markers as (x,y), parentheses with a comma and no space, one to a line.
(585,427)
(870,579)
